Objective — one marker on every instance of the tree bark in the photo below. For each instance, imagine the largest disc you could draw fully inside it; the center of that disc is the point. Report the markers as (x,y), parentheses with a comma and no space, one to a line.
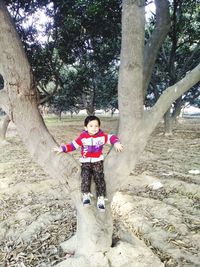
(168,121)
(88,102)
(130,95)
(4,128)
(4,104)
(170,118)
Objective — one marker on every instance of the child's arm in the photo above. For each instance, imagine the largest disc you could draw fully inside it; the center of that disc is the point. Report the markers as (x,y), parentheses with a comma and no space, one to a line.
(75,144)
(114,140)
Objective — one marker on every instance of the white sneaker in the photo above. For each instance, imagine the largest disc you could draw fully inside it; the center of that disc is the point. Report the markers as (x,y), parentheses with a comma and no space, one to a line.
(87,199)
(101,203)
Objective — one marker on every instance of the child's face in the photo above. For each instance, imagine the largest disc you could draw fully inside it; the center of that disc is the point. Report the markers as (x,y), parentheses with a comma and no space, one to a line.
(92,127)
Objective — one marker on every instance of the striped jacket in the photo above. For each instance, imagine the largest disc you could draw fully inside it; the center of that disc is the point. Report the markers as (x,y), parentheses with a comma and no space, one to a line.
(91,145)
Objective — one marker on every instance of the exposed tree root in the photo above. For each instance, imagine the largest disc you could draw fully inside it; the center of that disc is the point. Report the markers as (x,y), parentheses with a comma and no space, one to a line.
(124,254)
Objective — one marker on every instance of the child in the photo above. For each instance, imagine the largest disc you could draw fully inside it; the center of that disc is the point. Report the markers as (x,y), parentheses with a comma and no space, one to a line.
(91,142)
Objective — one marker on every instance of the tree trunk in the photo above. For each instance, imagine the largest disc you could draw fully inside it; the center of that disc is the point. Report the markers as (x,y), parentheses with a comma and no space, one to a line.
(59,115)
(177,108)
(130,89)
(170,118)
(94,230)
(168,121)
(88,102)
(4,128)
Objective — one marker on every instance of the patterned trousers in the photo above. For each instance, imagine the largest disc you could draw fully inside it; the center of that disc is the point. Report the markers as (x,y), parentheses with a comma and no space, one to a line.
(93,170)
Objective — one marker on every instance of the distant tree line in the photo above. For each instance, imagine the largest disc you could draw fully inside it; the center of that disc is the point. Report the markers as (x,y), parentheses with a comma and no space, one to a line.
(76,67)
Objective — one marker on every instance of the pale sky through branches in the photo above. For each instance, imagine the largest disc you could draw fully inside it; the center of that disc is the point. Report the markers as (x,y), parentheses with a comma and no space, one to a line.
(39,20)
(150,9)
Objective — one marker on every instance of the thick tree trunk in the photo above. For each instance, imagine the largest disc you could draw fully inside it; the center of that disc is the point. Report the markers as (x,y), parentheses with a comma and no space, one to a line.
(130,95)
(92,240)
(94,231)
(4,128)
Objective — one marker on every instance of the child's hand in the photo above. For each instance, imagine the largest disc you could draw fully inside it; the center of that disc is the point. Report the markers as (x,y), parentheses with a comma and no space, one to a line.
(118,147)
(58,150)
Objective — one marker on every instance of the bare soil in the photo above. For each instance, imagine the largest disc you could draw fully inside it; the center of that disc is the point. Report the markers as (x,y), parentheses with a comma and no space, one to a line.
(36,214)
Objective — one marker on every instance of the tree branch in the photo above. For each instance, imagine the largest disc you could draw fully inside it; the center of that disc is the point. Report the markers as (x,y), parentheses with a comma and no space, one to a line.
(48,95)
(23,108)
(154,43)
(189,60)
(171,94)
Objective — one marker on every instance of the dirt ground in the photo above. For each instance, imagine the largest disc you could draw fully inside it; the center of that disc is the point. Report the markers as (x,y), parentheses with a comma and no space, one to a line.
(36,215)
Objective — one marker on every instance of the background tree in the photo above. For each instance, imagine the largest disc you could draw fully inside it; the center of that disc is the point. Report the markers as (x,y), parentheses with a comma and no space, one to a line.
(89,39)
(87,36)
(68,96)
(107,86)
(93,238)
(39,47)
(180,52)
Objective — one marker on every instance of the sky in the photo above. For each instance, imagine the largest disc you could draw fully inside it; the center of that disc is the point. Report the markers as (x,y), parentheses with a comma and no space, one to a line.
(39,20)
(149,9)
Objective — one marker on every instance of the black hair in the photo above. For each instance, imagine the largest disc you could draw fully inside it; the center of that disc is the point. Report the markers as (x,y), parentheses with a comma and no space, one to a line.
(91,118)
